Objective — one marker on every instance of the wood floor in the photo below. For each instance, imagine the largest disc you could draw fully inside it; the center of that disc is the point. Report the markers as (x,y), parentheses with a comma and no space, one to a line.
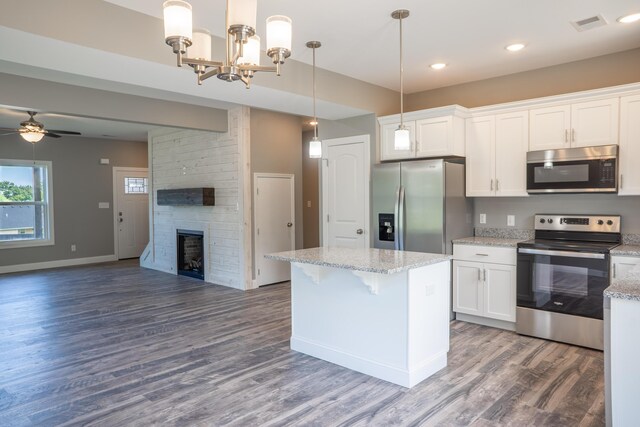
(117,345)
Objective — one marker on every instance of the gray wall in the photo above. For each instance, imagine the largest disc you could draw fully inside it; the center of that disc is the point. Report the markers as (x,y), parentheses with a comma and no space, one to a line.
(524,208)
(276,147)
(79,183)
(603,71)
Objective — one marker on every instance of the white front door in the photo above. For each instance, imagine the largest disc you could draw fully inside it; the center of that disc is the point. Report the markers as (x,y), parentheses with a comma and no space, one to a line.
(345,190)
(131,210)
(275,230)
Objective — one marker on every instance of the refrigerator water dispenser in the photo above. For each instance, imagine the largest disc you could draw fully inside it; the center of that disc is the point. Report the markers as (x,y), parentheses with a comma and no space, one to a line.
(385,227)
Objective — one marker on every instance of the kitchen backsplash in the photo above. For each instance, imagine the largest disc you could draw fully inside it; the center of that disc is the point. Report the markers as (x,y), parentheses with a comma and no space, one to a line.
(504,233)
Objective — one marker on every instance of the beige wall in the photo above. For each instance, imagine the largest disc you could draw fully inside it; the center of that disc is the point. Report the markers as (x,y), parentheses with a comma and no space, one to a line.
(276,147)
(603,71)
(310,194)
(80,182)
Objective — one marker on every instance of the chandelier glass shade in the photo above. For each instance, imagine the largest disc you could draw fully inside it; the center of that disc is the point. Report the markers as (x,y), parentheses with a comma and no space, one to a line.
(401,137)
(315,145)
(32,135)
(242,59)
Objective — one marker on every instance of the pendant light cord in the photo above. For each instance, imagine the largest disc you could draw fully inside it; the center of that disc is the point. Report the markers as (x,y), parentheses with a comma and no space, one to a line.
(401,78)
(315,118)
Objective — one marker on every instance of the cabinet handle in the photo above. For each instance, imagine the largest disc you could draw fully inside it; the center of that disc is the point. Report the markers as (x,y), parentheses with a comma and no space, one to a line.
(573,135)
(479,276)
(491,185)
(566,135)
(614,271)
(482,254)
(497,185)
(621,176)
(484,275)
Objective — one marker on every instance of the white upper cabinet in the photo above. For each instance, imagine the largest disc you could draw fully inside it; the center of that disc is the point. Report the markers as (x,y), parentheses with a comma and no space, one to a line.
(629,154)
(388,151)
(497,155)
(437,132)
(582,124)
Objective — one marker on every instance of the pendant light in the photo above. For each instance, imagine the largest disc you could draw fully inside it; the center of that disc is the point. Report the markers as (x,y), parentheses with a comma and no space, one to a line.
(401,140)
(315,146)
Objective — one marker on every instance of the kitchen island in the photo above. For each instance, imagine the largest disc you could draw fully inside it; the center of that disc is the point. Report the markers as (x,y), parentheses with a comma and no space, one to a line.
(384,313)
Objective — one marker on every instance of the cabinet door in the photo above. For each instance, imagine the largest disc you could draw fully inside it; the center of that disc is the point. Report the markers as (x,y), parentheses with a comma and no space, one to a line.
(500,292)
(512,142)
(436,136)
(467,289)
(550,128)
(480,163)
(620,266)
(594,123)
(629,184)
(387,150)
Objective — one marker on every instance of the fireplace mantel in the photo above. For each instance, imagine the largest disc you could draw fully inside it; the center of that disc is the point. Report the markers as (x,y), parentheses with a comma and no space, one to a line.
(187,197)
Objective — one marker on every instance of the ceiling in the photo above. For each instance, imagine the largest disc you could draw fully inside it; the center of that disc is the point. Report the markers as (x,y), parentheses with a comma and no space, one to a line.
(361,40)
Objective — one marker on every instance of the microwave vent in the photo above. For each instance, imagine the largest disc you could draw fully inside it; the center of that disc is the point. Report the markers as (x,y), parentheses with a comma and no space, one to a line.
(589,23)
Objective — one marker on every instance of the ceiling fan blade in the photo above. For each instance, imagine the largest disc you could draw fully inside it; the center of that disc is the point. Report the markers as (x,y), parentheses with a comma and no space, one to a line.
(9,130)
(51,134)
(10,133)
(64,132)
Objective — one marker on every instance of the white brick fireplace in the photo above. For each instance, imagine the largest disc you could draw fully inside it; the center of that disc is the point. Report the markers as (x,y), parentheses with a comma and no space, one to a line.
(188,159)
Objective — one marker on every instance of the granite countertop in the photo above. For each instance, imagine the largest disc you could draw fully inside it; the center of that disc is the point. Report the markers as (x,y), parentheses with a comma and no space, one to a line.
(626,250)
(626,288)
(370,260)
(489,241)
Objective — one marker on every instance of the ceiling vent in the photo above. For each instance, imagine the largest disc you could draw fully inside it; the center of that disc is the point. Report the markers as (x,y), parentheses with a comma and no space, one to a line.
(589,23)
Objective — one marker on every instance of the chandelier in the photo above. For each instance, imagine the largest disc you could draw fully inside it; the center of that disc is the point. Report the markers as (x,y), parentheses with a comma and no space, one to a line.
(315,145)
(402,140)
(242,59)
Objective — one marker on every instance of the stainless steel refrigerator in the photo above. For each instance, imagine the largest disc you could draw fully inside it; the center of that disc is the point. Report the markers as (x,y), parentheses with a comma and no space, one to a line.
(420,205)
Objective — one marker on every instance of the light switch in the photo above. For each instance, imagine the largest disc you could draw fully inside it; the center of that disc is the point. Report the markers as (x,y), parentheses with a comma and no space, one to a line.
(308,203)
(104,161)
(103,205)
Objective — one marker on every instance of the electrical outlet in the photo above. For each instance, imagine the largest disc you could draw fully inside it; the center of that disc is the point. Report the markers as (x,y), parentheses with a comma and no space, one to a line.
(511,220)
(483,218)
(73,248)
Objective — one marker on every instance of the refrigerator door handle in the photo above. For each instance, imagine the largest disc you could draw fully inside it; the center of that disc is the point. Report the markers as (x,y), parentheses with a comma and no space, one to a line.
(396,221)
(401,219)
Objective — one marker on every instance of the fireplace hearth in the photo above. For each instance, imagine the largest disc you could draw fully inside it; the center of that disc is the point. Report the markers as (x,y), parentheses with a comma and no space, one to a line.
(190,252)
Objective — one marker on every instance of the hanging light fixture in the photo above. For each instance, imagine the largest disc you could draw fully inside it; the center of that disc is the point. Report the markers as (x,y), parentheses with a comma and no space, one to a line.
(401,140)
(315,146)
(242,61)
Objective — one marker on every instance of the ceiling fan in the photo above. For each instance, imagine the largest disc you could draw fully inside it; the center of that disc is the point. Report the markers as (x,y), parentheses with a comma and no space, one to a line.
(33,131)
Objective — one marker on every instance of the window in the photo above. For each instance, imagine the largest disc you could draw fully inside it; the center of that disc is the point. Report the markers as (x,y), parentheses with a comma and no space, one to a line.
(26,205)
(135,186)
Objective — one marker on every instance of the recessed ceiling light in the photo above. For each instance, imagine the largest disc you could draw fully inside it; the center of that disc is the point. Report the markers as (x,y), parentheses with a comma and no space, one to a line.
(515,47)
(438,66)
(629,18)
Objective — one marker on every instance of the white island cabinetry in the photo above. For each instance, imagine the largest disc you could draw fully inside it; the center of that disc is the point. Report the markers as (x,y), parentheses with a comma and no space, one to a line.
(384,313)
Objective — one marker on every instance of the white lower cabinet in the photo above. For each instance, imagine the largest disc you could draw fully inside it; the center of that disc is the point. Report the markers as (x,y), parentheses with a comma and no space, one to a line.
(485,289)
(620,265)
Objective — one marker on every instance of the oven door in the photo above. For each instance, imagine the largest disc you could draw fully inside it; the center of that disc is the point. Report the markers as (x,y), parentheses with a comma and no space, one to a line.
(562,281)
(596,175)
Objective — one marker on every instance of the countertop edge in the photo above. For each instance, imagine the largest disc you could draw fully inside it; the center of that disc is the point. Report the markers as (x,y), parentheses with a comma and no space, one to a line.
(497,242)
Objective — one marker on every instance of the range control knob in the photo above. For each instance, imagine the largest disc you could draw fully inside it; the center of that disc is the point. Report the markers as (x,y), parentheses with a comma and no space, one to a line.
(550,221)
(542,221)
(600,222)
(609,222)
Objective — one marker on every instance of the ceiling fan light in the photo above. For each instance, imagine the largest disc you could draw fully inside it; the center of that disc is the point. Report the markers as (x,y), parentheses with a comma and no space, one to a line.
(278,33)
(201,47)
(315,148)
(251,52)
(629,18)
(242,12)
(177,19)
(32,136)
(401,139)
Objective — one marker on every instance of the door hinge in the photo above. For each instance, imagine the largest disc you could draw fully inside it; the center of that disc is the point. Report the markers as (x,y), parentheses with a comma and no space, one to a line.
(258,231)
(258,272)
(257,191)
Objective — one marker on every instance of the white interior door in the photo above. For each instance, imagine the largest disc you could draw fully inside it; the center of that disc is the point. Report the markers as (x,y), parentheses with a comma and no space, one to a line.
(131,210)
(275,230)
(345,189)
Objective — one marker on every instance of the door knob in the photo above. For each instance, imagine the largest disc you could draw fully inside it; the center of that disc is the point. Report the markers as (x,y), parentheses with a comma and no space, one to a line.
(289,224)
(121,220)
(359,231)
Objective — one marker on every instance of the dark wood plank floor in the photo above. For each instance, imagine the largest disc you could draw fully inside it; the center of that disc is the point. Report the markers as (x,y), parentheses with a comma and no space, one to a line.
(118,345)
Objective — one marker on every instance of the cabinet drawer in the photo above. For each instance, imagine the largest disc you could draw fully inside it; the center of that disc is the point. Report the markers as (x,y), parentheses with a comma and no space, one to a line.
(491,254)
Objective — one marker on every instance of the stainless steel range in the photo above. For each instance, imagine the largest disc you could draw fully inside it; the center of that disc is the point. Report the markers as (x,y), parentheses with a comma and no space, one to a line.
(561,276)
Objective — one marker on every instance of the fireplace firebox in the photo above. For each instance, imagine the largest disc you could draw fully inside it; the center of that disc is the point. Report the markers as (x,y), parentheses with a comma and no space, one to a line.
(190,251)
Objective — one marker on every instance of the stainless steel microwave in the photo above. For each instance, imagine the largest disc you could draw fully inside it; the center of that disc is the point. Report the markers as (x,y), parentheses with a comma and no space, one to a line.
(573,170)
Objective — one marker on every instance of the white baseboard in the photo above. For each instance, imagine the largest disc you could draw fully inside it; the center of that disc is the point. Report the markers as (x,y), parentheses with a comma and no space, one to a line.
(494,323)
(396,375)
(56,264)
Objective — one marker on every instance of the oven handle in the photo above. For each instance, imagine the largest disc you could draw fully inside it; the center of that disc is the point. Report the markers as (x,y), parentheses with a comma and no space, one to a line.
(568,254)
